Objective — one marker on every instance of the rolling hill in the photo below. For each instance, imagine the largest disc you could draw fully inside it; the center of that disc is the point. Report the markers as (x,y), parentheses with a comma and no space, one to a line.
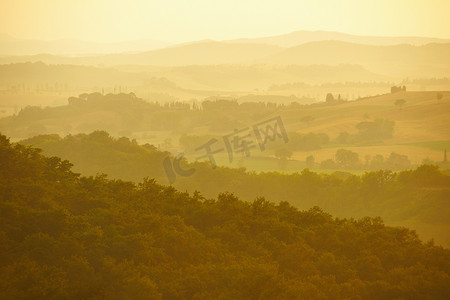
(67,236)
(430,60)
(201,53)
(302,37)
(398,59)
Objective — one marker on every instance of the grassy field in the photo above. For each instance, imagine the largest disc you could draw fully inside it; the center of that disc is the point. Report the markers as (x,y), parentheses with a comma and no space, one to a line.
(422,129)
(423,118)
(434,145)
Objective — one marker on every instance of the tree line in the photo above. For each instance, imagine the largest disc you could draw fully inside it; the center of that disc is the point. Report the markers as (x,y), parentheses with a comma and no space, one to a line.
(68,236)
(419,194)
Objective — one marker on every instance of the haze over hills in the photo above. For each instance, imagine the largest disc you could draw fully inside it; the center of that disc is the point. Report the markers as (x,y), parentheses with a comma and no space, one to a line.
(398,60)
(395,57)
(213,150)
(202,53)
(302,37)
(336,52)
(225,77)
(14,46)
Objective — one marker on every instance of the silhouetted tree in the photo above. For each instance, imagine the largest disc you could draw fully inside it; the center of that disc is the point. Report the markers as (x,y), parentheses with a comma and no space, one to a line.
(347,158)
(283,154)
(329,98)
(310,162)
(400,102)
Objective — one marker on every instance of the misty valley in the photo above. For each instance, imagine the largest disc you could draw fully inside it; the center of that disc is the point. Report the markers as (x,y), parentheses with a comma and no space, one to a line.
(308,165)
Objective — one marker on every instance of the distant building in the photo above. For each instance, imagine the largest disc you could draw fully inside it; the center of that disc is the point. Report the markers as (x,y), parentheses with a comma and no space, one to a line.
(396,89)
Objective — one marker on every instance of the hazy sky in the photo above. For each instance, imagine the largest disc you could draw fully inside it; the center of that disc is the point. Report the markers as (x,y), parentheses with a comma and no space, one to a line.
(186,20)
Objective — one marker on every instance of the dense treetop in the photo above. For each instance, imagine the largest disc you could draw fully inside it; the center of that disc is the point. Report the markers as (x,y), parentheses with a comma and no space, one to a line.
(417,196)
(68,236)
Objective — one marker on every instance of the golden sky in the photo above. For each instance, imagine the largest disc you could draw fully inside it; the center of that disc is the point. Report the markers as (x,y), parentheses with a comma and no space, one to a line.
(187,20)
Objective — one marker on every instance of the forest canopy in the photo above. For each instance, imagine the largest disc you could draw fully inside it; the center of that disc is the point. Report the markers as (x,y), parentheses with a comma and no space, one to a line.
(412,198)
(69,236)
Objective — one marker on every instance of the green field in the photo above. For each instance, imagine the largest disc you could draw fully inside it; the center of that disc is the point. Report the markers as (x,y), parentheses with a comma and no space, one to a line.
(434,145)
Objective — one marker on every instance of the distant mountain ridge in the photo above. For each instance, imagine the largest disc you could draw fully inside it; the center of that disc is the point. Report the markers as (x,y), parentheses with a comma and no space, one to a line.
(396,60)
(302,37)
(18,47)
(14,46)
(201,53)
(399,60)
(336,52)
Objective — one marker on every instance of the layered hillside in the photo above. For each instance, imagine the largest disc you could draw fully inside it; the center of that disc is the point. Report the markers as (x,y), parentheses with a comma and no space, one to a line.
(66,236)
